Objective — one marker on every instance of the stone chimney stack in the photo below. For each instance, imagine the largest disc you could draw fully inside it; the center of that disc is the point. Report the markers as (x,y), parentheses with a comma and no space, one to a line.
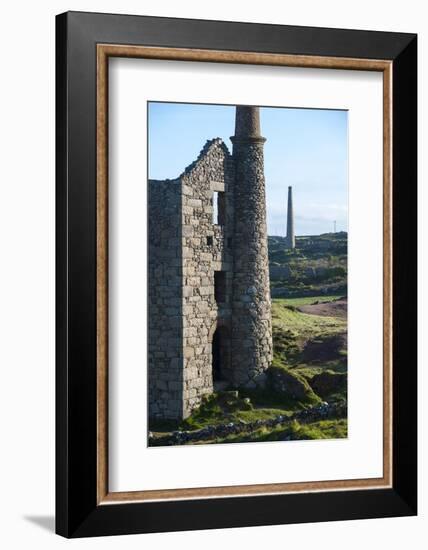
(290,238)
(251,304)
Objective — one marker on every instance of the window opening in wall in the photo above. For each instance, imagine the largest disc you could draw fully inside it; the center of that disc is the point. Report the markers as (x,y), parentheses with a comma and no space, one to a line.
(215,207)
(219,207)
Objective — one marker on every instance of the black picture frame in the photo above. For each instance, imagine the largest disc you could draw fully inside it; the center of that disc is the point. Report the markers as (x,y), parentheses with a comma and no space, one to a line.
(77,511)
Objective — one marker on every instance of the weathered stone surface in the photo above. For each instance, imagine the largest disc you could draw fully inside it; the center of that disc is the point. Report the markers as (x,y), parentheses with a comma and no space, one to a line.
(251,307)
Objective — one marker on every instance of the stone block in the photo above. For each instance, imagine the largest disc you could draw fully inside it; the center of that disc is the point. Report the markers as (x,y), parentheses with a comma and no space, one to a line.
(187,252)
(194,203)
(187,190)
(187,230)
(217,185)
(189,352)
(206,290)
(187,291)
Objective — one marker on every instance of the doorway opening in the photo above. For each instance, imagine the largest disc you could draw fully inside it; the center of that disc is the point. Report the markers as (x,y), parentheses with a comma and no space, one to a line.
(220,286)
(221,358)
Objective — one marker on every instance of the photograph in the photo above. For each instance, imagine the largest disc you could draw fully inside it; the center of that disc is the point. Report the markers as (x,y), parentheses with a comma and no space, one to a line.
(247,274)
(235,275)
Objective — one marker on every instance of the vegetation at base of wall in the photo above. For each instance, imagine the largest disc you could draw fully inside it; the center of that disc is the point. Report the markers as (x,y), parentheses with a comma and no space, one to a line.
(233,406)
(295,431)
(319,421)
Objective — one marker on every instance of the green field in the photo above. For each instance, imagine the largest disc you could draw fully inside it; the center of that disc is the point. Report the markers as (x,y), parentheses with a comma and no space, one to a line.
(304,325)
(308,300)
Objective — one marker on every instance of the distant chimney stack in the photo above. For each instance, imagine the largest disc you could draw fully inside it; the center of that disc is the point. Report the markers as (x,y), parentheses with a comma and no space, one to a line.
(290,239)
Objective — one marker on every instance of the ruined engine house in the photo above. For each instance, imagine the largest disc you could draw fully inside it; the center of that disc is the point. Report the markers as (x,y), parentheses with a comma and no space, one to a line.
(209,297)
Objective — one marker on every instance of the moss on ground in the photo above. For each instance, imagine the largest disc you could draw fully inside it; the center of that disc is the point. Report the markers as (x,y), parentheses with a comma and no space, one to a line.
(216,409)
(296,431)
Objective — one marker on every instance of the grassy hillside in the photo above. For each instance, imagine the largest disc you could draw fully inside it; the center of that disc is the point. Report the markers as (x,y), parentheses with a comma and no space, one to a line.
(312,346)
(317,266)
(309,368)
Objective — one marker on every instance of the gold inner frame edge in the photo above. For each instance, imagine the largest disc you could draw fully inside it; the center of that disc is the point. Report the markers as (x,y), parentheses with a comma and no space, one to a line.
(104,51)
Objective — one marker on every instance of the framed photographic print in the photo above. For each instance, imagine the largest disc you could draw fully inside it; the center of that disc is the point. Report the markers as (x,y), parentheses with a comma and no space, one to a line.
(236,274)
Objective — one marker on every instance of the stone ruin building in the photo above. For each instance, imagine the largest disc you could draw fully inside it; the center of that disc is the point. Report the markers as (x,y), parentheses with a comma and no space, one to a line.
(209,296)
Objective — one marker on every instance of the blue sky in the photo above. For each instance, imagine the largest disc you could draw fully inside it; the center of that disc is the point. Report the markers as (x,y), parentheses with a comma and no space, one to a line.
(305,148)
